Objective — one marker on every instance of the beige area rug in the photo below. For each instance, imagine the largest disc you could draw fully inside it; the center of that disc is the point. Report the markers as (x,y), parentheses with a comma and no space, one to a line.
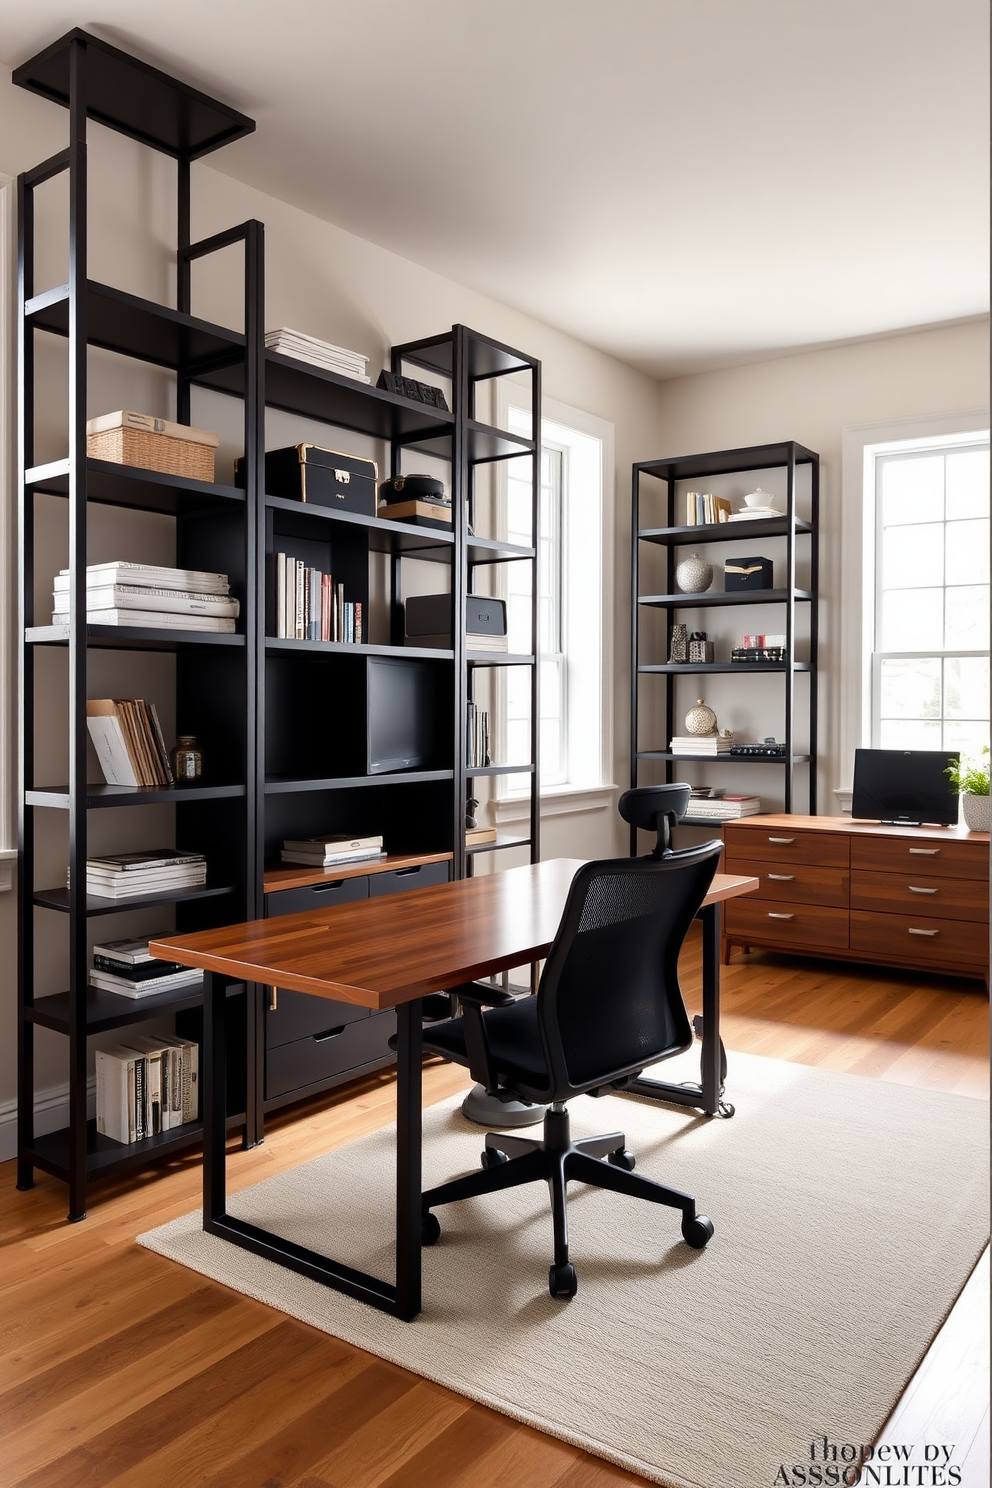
(848,1214)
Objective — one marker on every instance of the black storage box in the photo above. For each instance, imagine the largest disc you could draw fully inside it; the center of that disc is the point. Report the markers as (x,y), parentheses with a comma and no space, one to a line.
(428,619)
(320,477)
(747,573)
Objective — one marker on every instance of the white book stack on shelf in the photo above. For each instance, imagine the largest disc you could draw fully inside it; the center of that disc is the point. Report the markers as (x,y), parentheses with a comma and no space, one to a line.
(707,746)
(725,808)
(145,595)
(144,874)
(324,852)
(304,348)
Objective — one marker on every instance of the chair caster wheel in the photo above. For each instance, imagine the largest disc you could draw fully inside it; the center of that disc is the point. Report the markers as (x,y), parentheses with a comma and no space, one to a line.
(623,1158)
(493,1158)
(430,1229)
(562,1281)
(696,1232)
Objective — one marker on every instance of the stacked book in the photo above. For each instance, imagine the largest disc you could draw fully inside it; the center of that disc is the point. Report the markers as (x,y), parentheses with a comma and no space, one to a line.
(477,737)
(125,967)
(705,745)
(141,874)
(304,348)
(759,648)
(146,1086)
(725,808)
(311,607)
(128,740)
(331,849)
(702,509)
(141,594)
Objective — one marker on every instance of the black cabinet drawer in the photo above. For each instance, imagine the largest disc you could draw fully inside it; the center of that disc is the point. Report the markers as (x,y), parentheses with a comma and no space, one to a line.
(297,1015)
(309,1061)
(401,879)
(316,896)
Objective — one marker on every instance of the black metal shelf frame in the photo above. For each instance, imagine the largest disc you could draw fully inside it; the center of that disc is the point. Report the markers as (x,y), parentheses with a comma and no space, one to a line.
(787,455)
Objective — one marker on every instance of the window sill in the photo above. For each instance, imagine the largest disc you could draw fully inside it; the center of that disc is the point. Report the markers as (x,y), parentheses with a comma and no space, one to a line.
(8,868)
(557,800)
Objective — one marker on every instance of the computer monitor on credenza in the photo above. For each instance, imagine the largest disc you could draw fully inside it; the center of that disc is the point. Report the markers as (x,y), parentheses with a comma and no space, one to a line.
(906,786)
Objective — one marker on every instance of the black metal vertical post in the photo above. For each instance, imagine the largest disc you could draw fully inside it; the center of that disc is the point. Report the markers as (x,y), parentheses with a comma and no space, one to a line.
(535,689)
(670,725)
(635,566)
(214,1096)
(710,1058)
(790,628)
(77,630)
(409,1124)
(460,477)
(814,628)
(256,589)
(183,277)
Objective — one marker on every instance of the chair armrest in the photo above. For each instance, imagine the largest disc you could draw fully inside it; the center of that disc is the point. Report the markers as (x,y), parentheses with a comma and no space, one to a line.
(481,995)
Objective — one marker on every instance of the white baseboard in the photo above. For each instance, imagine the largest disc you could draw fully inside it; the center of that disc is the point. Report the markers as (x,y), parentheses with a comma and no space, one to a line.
(51,1111)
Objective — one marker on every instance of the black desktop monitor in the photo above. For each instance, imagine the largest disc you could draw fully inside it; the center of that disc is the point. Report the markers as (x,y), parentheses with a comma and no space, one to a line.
(908,786)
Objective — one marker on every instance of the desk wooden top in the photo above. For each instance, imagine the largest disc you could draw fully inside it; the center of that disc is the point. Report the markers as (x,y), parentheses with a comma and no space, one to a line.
(378,953)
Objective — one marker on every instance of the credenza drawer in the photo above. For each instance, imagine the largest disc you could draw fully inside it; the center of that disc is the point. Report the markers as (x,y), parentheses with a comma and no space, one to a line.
(926,941)
(398,880)
(787,845)
(317,895)
(810,926)
(937,859)
(309,1061)
(916,893)
(297,1015)
(800,883)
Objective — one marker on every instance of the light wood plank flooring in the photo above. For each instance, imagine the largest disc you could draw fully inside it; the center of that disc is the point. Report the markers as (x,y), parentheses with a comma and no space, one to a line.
(119,1369)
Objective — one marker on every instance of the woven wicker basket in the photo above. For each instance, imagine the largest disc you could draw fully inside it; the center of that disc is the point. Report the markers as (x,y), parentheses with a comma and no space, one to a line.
(151,451)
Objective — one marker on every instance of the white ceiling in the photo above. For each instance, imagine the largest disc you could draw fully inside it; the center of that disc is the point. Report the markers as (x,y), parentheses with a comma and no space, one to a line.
(683,183)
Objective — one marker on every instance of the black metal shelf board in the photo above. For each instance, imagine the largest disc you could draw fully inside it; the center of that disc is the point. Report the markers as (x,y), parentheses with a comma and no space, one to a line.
(57,796)
(130,637)
(723,759)
(279,645)
(500,770)
(497,658)
(726,462)
(500,845)
(689,669)
(130,486)
(708,599)
(135,98)
(126,324)
(481,550)
(51,1152)
(384,536)
(275,786)
(722,532)
(486,357)
(486,444)
(58,899)
(107,1010)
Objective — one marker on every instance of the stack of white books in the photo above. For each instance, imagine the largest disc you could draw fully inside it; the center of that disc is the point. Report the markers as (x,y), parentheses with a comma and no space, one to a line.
(324,852)
(306,348)
(145,595)
(146,1086)
(702,744)
(140,874)
(725,808)
(125,967)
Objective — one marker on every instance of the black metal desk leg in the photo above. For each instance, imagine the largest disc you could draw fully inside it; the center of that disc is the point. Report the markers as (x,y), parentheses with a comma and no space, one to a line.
(409,1124)
(214,1095)
(710,1053)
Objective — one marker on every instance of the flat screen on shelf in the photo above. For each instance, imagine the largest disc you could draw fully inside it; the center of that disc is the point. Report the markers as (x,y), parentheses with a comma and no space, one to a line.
(401,714)
(907,786)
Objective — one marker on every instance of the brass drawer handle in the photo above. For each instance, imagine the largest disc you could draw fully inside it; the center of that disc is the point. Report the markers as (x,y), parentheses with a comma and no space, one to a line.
(914,890)
(773,916)
(780,877)
(786,841)
(923,932)
(925,852)
(273,999)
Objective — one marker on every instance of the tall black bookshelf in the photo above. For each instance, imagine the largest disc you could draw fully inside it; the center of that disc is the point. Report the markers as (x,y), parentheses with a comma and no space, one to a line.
(658,488)
(282,723)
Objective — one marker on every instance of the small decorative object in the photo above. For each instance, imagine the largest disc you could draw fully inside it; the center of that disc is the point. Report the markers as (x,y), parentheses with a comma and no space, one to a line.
(970,780)
(700,720)
(408,387)
(747,573)
(187,761)
(693,576)
(700,649)
(679,650)
(470,804)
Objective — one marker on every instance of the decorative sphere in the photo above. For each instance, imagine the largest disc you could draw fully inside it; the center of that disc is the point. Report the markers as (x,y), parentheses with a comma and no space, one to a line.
(700,720)
(693,576)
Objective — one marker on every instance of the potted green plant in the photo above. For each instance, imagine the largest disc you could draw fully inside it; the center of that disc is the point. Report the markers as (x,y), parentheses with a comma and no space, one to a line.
(970,779)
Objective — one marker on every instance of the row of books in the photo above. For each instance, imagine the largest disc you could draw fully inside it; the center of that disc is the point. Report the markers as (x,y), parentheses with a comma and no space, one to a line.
(142,594)
(140,874)
(318,353)
(330,849)
(128,740)
(477,737)
(702,509)
(724,808)
(147,1086)
(127,968)
(310,607)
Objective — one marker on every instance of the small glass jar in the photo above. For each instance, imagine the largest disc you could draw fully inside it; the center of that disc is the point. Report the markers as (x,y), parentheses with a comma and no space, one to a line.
(187,761)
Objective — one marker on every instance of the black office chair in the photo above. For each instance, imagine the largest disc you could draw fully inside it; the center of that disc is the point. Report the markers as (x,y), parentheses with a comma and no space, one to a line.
(656,808)
(609,1004)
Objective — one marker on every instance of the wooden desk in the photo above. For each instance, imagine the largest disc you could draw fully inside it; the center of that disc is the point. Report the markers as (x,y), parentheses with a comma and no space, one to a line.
(390,953)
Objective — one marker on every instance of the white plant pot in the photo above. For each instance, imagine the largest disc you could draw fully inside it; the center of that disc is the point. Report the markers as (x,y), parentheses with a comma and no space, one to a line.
(975,810)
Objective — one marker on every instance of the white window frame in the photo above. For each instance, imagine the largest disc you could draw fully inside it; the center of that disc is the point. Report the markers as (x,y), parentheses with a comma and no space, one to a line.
(8,526)
(861,443)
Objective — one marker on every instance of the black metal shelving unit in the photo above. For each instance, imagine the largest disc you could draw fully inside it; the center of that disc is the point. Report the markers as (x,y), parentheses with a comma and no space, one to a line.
(649,500)
(257,702)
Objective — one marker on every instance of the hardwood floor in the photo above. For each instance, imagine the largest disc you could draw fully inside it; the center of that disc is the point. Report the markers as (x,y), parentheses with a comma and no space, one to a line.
(119,1369)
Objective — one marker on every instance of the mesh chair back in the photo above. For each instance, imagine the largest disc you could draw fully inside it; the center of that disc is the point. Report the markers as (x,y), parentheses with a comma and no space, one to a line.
(609,1001)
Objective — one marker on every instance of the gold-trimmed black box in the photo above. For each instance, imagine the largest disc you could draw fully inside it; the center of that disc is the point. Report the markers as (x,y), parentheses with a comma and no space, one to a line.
(747,573)
(320,477)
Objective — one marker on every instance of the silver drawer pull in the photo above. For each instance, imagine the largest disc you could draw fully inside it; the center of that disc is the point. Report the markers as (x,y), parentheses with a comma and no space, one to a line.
(786,840)
(925,852)
(914,890)
(780,877)
(773,916)
(923,932)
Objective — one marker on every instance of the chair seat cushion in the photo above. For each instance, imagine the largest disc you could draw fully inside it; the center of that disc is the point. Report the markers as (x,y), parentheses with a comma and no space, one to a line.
(514,1041)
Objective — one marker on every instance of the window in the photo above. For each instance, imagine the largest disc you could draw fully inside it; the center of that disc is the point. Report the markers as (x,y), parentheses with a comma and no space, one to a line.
(928,614)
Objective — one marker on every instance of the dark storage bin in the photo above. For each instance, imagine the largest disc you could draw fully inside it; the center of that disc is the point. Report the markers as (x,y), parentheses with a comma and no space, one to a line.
(747,573)
(320,477)
(401,879)
(338,1049)
(316,896)
(427,618)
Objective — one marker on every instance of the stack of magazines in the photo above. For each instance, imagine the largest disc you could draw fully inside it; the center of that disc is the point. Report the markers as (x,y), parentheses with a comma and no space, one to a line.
(306,348)
(139,874)
(324,852)
(725,808)
(127,737)
(145,595)
(705,745)
(125,967)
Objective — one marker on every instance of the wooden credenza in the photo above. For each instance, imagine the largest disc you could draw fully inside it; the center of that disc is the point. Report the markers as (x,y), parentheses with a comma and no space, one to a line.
(861,891)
